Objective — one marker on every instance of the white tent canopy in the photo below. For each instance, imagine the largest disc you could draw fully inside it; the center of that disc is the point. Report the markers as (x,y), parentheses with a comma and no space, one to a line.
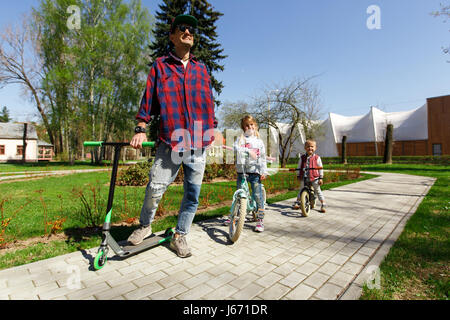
(408,125)
(371,127)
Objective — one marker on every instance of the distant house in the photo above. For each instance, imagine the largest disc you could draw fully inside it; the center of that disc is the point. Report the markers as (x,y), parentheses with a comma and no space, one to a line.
(11,144)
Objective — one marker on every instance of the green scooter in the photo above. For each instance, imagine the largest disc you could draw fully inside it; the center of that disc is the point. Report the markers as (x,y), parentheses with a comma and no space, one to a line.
(107,239)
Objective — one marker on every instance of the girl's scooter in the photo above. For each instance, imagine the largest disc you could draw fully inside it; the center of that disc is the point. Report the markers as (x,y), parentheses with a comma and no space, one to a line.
(107,239)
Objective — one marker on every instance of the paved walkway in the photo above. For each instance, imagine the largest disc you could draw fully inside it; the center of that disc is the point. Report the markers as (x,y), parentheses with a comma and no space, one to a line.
(323,256)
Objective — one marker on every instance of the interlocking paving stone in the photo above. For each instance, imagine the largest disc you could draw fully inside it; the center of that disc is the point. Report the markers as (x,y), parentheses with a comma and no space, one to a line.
(301,292)
(328,292)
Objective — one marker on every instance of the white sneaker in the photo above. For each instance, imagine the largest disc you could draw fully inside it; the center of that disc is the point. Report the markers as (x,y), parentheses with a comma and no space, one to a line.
(139,235)
(259,226)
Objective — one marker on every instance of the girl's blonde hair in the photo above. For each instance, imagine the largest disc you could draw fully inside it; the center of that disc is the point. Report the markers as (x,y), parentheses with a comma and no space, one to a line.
(249,119)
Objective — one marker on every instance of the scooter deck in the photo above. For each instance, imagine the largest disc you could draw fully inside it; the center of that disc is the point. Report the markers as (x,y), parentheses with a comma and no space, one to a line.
(154,240)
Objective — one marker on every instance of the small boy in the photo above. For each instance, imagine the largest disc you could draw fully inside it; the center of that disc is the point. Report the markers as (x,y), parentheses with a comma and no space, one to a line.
(310,160)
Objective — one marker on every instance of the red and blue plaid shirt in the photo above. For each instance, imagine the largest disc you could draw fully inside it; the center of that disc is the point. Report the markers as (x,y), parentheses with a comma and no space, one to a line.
(183,99)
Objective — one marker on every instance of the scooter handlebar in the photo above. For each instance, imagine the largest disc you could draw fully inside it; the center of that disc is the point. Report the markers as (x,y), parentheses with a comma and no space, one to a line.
(92,143)
(148,144)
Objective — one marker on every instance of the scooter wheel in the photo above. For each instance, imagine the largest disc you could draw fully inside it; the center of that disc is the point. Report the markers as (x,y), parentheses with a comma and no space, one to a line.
(305,205)
(100,259)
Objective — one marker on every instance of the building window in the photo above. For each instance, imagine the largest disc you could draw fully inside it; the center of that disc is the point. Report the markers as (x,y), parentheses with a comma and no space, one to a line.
(19,150)
(437,149)
(2,150)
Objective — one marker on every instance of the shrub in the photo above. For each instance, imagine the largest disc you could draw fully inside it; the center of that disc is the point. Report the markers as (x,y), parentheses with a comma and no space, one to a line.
(438,160)
(93,207)
(136,175)
(215,170)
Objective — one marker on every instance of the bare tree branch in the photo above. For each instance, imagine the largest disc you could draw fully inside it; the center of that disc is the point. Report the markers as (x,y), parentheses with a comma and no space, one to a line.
(20,63)
(290,109)
(445,13)
(296,104)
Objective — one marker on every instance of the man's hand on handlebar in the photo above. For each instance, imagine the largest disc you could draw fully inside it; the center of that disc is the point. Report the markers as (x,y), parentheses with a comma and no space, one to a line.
(136,141)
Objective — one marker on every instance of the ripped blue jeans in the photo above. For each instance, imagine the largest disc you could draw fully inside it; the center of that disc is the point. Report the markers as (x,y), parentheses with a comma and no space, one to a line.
(163,172)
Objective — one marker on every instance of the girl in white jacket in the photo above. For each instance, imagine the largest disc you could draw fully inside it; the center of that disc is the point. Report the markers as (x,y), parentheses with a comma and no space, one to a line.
(255,164)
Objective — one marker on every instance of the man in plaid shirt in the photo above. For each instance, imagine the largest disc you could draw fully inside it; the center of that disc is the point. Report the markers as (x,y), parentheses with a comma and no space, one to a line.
(179,90)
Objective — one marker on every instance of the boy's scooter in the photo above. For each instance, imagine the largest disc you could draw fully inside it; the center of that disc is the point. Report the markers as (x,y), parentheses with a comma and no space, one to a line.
(107,239)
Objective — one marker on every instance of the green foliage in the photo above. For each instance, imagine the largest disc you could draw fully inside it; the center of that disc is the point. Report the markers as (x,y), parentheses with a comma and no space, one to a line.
(93,207)
(215,170)
(136,175)
(4,115)
(94,75)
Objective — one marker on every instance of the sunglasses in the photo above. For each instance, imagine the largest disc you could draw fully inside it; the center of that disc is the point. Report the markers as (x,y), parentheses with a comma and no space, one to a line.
(183,29)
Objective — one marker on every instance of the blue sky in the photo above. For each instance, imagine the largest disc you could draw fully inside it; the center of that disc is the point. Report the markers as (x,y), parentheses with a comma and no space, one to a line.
(271,42)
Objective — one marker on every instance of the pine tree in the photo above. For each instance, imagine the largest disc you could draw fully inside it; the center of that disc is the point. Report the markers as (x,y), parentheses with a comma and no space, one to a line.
(169,9)
(4,115)
(206,49)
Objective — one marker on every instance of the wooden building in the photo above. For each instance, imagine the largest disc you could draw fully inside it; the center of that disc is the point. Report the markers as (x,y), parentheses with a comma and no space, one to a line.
(438,142)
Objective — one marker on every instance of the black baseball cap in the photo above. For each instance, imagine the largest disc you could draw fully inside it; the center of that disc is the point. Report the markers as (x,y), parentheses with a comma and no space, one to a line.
(184,18)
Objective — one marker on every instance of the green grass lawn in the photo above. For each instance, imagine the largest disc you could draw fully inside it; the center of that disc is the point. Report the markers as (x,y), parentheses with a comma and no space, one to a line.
(417,266)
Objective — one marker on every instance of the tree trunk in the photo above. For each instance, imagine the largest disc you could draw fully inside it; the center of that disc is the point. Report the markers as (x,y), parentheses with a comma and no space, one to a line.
(344,150)
(49,129)
(24,150)
(388,144)
(282,150)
